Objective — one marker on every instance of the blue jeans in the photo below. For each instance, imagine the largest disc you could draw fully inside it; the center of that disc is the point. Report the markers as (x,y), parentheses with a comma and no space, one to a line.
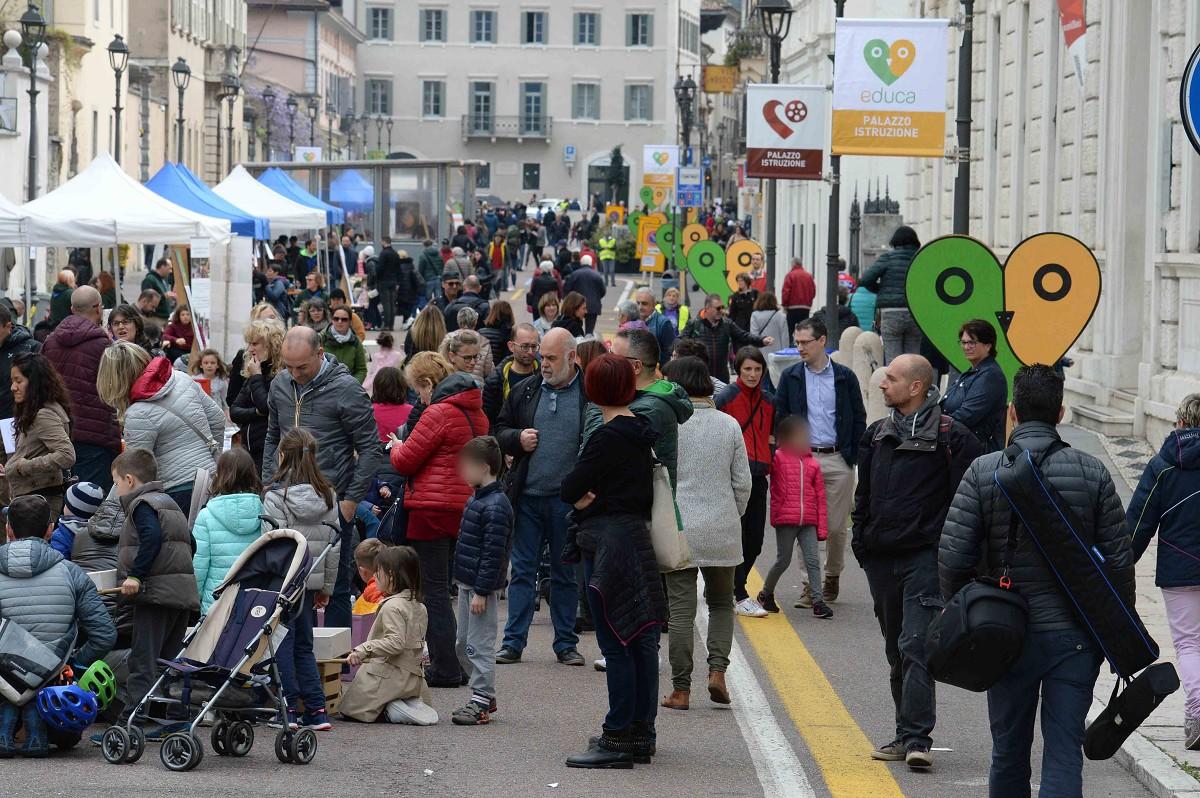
(297,662)
(94,464)
(369,519)
(1062,667)
(632,671)
(610,271)
(905,591)
(337,612)
(540,518)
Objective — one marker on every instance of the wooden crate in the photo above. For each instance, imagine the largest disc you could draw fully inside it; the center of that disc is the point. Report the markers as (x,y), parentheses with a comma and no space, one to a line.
(331,680)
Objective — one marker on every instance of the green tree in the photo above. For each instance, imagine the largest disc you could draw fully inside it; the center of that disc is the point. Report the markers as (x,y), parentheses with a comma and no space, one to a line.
(615,179)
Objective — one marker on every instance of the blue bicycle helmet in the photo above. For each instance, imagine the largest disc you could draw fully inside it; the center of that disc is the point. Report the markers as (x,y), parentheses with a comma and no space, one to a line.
(67,708)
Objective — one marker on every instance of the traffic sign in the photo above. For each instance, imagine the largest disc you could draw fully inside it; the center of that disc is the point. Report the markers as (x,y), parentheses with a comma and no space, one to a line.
(706,162)
(569,153)
(691,187)
(1189,99)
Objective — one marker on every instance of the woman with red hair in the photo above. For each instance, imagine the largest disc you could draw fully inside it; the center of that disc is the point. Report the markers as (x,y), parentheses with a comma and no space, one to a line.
(611,488)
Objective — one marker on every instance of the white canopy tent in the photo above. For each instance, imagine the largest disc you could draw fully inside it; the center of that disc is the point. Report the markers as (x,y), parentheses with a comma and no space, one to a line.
(254,198)
(103,192)
(21,229)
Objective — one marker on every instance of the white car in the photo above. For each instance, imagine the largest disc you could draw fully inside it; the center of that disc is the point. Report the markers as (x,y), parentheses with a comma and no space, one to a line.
(537,210)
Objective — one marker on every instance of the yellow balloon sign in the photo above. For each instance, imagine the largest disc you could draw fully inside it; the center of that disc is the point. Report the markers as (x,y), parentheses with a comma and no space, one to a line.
(1051,289)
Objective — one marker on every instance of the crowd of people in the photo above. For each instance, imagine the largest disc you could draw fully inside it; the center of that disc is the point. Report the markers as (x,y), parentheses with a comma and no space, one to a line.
(485,458)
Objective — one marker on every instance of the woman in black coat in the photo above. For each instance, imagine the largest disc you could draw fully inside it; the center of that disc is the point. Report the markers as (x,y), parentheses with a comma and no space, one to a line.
(498,329)
(407,289)
(979,398)
(570,317)
(611,489)
(262,361)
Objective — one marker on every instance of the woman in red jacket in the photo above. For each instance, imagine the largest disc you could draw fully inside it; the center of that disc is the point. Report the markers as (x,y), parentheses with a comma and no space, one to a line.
(435,495)
(754,408)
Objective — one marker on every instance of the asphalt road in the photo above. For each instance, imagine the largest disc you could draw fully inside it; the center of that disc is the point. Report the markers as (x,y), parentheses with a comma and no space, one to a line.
(811,697)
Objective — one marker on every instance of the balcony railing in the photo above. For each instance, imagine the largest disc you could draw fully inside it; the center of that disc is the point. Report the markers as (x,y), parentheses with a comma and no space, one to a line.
(479,126)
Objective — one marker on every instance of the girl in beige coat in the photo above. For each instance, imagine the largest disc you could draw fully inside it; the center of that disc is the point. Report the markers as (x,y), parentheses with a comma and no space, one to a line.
(391,680)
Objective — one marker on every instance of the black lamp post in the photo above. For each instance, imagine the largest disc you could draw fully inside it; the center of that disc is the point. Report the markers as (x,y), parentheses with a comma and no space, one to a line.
(268,97)
(292,105)
(831,256)
(313,110)
(720,192)
(329,114)
(363,121)
(962,181)
(181,75)
(232,86)
(389,124)
(118,59)
(685,93)
(33,33)
(379,132)
(776,18)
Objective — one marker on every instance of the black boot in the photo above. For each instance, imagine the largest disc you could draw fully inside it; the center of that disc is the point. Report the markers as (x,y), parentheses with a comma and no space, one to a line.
(645,742)
(603,753)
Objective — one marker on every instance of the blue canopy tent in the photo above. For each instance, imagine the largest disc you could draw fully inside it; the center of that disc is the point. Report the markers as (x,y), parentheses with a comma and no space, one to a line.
(276,180)
(351,190)
(175,183)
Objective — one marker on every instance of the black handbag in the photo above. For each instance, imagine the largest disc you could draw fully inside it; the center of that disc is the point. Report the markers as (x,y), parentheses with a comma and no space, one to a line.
(1128,710)
(981,631)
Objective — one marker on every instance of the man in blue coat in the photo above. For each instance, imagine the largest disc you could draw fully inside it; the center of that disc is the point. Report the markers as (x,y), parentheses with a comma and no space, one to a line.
(658,324)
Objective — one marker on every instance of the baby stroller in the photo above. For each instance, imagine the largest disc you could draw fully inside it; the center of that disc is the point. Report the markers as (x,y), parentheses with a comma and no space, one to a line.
(227,666)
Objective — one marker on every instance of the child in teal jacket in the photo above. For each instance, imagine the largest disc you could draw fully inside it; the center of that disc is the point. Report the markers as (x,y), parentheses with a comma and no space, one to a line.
(229,523)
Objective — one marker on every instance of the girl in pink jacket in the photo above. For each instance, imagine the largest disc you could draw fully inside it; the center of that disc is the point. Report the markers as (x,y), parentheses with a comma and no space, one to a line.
(798,512)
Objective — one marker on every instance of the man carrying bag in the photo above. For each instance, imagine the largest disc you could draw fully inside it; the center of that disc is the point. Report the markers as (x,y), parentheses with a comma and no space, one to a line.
(1060,659)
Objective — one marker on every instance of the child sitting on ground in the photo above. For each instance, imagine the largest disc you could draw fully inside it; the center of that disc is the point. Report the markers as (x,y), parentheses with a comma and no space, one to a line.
(302,499)
(798,512)
(480,570)
(80,503)
(54,602)
(366,556)
(154,569)
(391,681)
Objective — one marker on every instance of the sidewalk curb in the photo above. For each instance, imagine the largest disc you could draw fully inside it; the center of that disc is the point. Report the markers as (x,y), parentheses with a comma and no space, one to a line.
(1150,765)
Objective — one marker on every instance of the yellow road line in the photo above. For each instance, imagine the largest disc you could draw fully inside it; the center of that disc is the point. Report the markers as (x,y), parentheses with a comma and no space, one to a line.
(520,292)
(835,741)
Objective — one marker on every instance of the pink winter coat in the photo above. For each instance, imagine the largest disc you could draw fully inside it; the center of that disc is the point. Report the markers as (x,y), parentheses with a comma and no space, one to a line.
(798,492)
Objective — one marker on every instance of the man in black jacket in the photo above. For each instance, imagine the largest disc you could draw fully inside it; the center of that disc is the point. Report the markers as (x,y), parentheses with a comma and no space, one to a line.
(1060,660)
(715,329)
(387,277)
(521,363)
(911,461)
(472,297)
(541,428)
(587,281)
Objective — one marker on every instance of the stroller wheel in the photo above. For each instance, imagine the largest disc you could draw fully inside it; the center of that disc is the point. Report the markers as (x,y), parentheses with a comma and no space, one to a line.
(283,746)
(303,747)
(240,738)
(181,752)
(219,737)
(114,745)
(137,744)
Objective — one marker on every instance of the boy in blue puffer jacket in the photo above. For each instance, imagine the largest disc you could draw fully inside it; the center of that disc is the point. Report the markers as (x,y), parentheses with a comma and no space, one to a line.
(480,570)
(80,503)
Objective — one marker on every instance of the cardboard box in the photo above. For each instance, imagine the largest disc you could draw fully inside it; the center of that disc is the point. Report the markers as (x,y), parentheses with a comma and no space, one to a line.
(104,580)
(331,642)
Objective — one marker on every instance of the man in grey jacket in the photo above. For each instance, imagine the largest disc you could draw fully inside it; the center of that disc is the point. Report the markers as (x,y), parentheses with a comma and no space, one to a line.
(318,393)
(1060,659)
(51,599)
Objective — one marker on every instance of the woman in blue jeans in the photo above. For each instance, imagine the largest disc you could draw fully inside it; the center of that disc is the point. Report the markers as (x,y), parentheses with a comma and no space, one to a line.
(611,488)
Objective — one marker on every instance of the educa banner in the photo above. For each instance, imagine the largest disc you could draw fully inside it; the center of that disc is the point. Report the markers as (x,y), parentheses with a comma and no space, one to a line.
(889,87)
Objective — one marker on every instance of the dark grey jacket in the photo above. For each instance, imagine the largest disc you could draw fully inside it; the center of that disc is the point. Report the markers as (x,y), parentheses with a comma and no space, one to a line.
(334,407)
(978,524)
(51,598)
(171,581)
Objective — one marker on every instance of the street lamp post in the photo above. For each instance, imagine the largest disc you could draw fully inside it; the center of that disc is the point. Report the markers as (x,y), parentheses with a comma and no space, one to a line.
(181,75)
(292,105)
(389,124)
(776,17)
(329,113)
(720,192)
(118,58)
(379,132)
(313,110)
(363,122)
(685,93)
(231,94)
(962,181)
(268,97)
(33,33)
(831,257)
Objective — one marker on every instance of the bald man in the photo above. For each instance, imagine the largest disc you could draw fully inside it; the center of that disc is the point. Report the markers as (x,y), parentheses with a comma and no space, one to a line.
(316,392)
(656,323)
(75,348)
(910,464)
(541,427)
(60,297)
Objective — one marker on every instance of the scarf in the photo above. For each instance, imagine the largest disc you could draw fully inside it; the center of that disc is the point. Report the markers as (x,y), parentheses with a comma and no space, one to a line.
(921,425)
(341,339)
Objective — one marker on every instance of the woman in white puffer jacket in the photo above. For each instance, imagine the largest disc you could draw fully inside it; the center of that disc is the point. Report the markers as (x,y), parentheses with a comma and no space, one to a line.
(164,411)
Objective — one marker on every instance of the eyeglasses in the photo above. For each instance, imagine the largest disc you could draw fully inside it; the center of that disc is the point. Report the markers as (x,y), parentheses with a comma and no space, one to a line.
(968,344)
(805,341)
(122,322)
(346,319)
(526,347)
(468,358)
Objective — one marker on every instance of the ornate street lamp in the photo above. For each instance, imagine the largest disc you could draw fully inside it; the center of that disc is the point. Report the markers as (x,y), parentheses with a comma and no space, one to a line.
(230,87)
(292,105)
(390,122)
(313,110)
(268,97)
(118,59)
(33,33)
(379,132)
(181,75)
(776,18)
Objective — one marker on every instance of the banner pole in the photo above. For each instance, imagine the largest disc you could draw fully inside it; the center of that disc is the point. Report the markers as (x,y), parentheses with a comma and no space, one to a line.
(962,181)
(831,258)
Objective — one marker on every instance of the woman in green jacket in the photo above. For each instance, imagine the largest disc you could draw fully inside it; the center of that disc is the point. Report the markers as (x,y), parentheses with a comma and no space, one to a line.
(341,342)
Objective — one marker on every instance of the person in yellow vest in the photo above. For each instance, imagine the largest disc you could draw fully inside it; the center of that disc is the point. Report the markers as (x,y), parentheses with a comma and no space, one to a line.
(674,312)
(608,257)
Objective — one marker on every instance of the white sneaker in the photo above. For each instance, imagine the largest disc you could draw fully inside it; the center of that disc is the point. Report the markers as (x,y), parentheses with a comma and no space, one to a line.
(600,665)
(750,608)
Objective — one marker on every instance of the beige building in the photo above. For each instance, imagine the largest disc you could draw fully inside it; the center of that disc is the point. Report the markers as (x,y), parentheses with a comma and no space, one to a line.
(1103,157)
(541,91)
